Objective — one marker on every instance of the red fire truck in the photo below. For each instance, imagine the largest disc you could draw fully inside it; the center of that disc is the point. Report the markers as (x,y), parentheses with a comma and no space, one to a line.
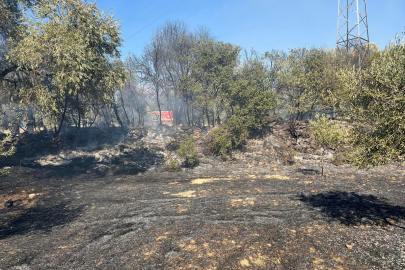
(167,116)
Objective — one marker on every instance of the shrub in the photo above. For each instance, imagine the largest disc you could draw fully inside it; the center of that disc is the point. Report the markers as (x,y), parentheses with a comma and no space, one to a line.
(5,153)
(173,165)
(327,134)
(221,143)
(229,136)
(377,109)
(188,151)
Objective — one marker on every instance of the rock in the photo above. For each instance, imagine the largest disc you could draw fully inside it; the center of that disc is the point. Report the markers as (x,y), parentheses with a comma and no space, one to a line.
(349,247)
(32,196)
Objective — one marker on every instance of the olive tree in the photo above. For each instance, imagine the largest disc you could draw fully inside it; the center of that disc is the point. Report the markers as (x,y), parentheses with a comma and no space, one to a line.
(66,51)
(377,108)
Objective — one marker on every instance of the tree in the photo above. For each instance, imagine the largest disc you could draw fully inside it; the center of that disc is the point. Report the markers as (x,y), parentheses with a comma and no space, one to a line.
(178,44)
(249,97)
(65,52)
(150,68)
(307,81)
(213,74)
(377,108)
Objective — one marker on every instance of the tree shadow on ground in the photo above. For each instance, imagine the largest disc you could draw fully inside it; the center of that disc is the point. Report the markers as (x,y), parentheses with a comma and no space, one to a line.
(38,218)
(352,209)
(39,144)
(129,162)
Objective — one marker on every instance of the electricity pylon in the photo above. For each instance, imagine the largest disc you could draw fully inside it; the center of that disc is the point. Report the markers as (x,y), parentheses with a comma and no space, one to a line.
(352,28)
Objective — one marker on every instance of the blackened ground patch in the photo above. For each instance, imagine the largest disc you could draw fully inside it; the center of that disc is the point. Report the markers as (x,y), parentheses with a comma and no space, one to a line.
(352,209)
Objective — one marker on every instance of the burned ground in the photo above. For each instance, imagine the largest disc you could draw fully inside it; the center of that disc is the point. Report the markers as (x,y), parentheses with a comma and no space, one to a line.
(250,212)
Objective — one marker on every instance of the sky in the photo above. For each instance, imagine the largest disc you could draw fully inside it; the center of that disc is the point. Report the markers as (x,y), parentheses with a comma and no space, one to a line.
(259,24)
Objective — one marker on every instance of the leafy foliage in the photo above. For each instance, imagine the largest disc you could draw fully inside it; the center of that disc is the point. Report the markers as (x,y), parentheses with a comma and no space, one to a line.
(188,151)
(229,136)
(378,108)
(66,50)
(213,74)
(5,153)
(249,98)
(173,165)
(221,141)
(308,81)
(327,134)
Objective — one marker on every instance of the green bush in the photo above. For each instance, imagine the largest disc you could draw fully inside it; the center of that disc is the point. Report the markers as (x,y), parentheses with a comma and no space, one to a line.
(5,153)
(188,151)
(221,143)
(173,165)
(229,136)
(327,134)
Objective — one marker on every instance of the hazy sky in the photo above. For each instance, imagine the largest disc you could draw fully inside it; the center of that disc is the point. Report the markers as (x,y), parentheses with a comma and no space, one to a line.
(259,24)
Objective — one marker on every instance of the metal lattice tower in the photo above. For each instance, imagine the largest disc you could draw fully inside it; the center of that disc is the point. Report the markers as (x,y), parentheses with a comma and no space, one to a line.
(352,28)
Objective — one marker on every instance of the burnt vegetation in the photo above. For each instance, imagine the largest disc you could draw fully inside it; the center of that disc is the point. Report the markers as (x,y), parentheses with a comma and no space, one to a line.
(195,152)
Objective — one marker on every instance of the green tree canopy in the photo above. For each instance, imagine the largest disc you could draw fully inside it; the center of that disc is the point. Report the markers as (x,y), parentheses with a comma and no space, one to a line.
(213,74)
(377,108)
(308,80)
(66,50)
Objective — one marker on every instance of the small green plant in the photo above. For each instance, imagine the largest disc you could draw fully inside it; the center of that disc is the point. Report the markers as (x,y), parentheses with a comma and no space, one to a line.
(188,151)
(173,165)
(327,134)
(5,153)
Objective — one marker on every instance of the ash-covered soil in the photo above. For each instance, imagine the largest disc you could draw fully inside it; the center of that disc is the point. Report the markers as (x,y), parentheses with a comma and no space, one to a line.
(249,212)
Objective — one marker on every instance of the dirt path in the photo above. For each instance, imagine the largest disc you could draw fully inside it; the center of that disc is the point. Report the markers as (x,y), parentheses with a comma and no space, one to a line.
(269,220)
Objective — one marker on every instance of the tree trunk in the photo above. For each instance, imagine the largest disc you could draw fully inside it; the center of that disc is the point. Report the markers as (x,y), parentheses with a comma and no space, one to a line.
(94,120)
(106,118)
(115,108)
(79,120)
(322,159)
(123,107)
(207,115)
(56,135)
(213,119)
(158,104)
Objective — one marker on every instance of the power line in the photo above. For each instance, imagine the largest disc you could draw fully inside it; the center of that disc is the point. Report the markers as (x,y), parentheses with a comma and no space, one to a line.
(155,20)
(139,11)
(192,14)
(126,4)
(199,10)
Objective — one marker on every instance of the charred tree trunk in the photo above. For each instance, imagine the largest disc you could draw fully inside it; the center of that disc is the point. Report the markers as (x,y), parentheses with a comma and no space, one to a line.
(115,108)
(160,110)
(106,118)
(123,108)
(57,131)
